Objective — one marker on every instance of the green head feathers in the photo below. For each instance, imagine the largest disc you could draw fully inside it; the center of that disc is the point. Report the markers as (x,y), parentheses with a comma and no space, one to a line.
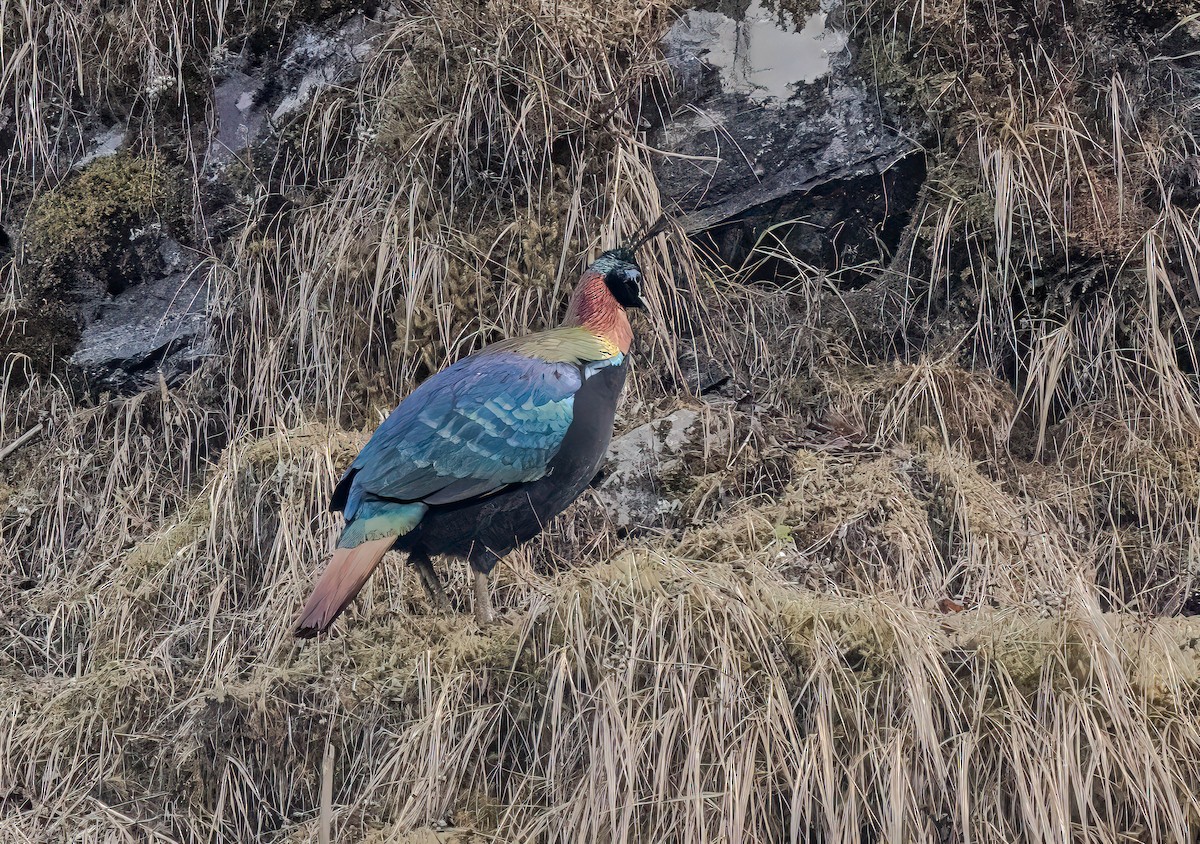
(614,259)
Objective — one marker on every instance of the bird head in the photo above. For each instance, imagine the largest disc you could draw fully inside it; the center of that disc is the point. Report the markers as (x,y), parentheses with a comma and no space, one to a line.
(622,276)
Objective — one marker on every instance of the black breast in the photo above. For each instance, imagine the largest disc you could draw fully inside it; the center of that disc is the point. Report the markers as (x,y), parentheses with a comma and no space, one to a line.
(483,530)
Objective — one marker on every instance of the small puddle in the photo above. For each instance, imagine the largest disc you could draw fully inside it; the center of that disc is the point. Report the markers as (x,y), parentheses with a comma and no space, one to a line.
(765,53)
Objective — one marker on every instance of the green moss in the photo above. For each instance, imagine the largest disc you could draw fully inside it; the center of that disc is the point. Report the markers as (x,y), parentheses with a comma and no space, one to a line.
(151,556)
(85,223)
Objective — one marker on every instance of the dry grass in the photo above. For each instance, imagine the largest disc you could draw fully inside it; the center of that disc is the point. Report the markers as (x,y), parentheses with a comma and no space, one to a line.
(790,662)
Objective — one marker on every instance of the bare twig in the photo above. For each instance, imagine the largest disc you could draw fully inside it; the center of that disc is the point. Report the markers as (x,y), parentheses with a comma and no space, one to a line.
(327,794)
(21,440)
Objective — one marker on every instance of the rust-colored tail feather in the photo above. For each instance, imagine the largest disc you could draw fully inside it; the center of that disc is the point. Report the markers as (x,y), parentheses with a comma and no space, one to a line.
(339,583)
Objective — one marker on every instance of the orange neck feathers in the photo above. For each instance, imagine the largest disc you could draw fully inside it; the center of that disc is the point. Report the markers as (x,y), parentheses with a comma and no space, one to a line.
(594,308)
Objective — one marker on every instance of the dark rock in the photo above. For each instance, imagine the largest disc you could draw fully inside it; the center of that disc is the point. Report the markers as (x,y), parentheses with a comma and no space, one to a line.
(702,372)
(97,237)
(705,376)
(154,329)
(240,120)
(777,130)
(252,99)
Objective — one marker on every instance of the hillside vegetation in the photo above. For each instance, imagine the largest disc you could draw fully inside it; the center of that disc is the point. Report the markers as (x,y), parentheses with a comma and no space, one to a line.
(932,569)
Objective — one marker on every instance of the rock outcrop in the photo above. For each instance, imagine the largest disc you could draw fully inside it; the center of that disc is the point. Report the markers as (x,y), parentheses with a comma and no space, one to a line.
(109,294)
(769,128)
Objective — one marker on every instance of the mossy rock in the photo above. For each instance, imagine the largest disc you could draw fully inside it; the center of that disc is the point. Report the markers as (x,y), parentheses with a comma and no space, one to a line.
(84,234)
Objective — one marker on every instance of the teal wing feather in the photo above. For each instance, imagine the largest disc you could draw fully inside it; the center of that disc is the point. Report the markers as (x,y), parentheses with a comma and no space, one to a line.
(490,420)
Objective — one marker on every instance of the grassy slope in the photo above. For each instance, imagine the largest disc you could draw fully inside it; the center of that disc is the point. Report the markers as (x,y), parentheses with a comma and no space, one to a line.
(779,667)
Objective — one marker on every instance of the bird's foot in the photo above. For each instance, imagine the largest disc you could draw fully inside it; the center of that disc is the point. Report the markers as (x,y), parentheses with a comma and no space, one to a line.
(483,601)
(433,585)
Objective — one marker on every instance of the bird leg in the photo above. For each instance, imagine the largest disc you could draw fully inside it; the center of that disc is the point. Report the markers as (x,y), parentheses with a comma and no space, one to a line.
(483,599)
(430,580)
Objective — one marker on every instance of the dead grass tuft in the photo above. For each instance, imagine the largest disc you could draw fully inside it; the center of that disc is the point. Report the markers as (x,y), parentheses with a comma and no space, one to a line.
(921,592)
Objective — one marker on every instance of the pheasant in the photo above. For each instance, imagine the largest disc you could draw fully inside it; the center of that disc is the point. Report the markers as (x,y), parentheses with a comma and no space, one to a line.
(483,454)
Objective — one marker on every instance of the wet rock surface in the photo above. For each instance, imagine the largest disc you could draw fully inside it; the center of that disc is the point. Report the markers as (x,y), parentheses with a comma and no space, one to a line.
(155,332)
(768,125)
(256,95)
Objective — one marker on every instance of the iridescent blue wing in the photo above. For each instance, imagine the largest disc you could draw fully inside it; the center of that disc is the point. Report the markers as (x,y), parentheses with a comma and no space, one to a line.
(490,420)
